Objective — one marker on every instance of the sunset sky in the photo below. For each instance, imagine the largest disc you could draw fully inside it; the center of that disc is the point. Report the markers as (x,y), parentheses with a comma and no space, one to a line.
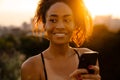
(15,12)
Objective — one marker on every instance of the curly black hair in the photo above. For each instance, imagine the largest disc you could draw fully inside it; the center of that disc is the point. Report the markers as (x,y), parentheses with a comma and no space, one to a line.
(83,20)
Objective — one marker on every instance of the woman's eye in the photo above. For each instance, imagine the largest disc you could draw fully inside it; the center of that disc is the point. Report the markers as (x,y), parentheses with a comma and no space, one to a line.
(67,20)
(53,20)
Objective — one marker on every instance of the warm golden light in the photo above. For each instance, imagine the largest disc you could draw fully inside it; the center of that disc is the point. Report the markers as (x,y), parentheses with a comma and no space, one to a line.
(15,12)
(103,7)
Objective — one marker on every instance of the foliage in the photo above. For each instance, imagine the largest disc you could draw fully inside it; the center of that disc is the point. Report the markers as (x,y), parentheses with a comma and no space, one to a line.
(8,42)
(14,50)
(10,65)
(31,45)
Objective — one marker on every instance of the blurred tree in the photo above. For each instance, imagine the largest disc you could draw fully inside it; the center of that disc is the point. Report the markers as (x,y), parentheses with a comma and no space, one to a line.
(105,42)
(10,66)
(31,45)
(8,43)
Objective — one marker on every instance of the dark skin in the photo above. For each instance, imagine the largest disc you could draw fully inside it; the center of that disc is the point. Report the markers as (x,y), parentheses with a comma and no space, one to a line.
(59,64)
(32,69)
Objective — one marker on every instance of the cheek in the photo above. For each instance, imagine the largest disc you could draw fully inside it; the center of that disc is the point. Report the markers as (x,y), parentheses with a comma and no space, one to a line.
(71,27)
(49,28)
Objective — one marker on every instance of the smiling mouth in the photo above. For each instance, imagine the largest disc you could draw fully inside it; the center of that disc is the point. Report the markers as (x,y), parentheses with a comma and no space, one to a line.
(60,34)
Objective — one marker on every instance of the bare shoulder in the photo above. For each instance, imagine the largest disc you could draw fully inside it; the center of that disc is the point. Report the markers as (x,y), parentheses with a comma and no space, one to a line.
(30,69)
(31,62)
(84,50)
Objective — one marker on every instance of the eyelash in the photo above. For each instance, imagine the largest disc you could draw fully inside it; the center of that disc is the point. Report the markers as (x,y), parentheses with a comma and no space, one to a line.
(53,20)
(67,20)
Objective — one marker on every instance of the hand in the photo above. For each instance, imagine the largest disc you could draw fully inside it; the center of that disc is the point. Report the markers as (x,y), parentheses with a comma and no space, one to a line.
(82,74)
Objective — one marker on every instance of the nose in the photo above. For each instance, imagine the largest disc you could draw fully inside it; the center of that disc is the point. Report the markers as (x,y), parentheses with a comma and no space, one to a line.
(60,25)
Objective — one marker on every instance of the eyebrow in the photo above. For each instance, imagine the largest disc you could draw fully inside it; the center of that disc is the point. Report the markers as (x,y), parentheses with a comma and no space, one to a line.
(67,15)
(54,15)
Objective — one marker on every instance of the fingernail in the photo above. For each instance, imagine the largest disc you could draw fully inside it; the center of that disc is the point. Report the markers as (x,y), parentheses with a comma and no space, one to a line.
(90,66)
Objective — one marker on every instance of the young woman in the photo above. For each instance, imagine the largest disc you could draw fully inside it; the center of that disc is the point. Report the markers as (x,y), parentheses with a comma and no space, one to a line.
(64,21)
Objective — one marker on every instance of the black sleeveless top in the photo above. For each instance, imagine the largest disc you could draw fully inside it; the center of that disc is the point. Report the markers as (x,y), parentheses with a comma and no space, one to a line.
(44,63)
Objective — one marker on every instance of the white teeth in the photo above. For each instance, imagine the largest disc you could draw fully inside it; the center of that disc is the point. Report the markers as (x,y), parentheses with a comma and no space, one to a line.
(60,34)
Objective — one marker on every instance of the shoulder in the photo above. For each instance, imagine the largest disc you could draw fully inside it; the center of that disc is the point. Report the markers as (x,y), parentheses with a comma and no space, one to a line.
(84,50)
(30,62)
(31,68)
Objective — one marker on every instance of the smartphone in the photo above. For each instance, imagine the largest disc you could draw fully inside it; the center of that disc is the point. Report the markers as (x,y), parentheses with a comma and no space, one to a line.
(87,59)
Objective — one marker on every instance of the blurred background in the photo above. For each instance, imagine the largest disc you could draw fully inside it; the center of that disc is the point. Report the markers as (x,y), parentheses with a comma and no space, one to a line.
(17,42)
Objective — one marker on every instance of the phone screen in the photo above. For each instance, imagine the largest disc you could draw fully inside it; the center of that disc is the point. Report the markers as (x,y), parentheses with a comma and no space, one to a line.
(88,59)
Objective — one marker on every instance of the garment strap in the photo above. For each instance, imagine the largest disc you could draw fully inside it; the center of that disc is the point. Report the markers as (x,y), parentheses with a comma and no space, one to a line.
(77,53)
(78,56)
(44,66)
(44,63)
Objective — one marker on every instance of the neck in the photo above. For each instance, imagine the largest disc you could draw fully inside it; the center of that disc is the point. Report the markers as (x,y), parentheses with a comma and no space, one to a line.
(59,50)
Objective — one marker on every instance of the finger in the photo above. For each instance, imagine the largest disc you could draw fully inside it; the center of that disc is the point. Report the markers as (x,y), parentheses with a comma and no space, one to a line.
(91,77)
(78,72)
(95,68)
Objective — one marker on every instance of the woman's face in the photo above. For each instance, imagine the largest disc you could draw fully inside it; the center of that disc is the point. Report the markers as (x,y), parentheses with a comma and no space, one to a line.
(59,23)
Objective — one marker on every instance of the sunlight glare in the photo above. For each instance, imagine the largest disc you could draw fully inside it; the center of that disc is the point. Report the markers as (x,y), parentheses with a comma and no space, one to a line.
(103,7)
